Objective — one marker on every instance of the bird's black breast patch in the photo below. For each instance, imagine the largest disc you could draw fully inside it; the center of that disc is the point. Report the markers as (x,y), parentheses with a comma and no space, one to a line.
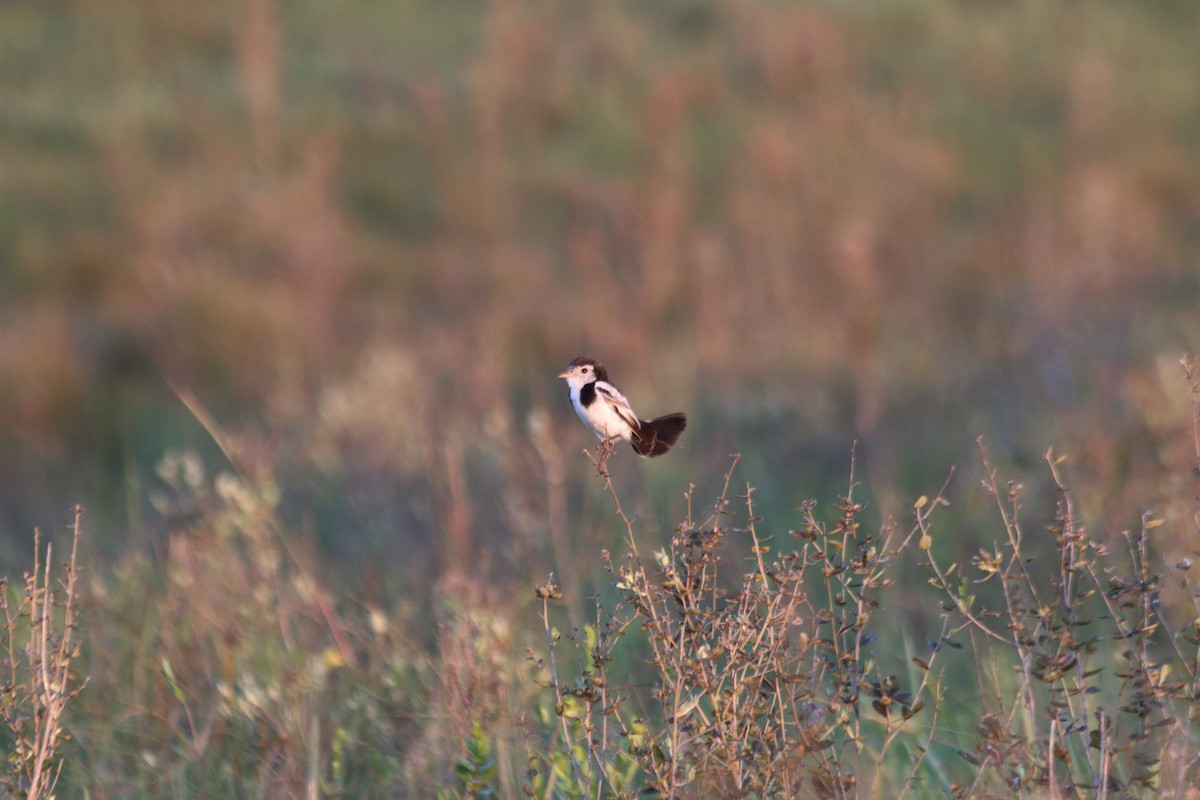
(587,395)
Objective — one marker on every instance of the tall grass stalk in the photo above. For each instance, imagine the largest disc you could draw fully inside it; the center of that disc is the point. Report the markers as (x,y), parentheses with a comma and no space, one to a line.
(36,658)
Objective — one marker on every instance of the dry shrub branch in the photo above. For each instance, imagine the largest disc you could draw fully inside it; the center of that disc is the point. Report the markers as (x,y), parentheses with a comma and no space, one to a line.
(36,658)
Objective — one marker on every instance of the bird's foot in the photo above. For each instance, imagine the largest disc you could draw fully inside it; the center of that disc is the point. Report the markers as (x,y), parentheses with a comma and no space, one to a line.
(605,450)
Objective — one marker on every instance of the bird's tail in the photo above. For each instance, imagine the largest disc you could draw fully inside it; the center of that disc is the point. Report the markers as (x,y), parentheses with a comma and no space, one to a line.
(656,436)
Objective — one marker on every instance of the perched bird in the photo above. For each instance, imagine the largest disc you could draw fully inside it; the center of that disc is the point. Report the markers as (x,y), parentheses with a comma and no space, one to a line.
(607,412)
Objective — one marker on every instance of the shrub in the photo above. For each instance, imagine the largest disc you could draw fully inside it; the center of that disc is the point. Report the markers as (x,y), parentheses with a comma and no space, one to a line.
(1056,668)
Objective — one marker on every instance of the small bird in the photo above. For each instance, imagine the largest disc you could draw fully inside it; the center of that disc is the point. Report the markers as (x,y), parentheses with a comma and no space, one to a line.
(606,411)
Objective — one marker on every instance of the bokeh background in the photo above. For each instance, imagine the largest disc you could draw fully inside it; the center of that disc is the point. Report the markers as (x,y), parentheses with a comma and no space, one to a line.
(342,250)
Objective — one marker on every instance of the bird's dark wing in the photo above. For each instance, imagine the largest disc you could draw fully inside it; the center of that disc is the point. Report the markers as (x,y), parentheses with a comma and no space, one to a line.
(618,403)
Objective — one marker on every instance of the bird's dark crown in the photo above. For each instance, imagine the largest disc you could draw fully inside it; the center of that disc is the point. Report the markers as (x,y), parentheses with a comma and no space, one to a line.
(597,368)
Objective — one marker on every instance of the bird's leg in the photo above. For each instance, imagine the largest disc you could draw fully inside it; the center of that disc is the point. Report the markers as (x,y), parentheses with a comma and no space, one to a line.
(605,450)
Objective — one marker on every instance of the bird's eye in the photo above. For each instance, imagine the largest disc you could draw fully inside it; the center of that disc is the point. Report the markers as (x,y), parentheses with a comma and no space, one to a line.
(585,370)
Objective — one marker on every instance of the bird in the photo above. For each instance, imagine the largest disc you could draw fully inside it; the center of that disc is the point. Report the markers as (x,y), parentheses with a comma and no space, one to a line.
(606,411)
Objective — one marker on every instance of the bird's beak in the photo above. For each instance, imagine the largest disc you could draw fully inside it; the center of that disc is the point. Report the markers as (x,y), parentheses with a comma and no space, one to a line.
(564,374)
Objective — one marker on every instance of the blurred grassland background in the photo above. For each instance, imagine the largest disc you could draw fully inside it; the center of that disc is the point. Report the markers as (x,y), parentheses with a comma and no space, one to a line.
(342,250)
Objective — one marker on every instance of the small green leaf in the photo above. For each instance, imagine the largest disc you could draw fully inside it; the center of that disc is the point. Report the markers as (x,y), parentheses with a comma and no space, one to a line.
(169,674)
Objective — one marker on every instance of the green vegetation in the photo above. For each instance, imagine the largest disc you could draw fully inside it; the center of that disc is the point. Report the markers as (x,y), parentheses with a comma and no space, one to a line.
(740,659)
(283,288)
(1075,678)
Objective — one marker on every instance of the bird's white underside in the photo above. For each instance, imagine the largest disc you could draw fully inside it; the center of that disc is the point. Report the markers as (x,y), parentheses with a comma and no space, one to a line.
(609,416)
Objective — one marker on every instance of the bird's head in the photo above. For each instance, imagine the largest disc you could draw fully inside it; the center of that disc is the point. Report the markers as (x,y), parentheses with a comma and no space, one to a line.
(583,371)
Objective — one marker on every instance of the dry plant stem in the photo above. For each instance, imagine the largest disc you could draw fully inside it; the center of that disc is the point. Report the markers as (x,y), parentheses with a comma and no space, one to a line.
(600,462)
(46,717)
(577,770)
(1072,538)
(893,730)
(677,656)
(669,641)
(1018,564)
(600,661)
(1068,552)
(924,749)
(47,658)
(840,657)
(1137,637)
(849,529)
(1012,528)
(922,514)
(974,623)
(56,676)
